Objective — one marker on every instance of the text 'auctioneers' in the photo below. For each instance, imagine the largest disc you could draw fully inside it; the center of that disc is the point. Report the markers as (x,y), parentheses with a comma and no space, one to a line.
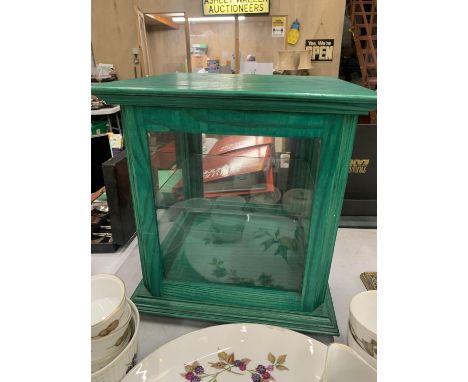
(235,7)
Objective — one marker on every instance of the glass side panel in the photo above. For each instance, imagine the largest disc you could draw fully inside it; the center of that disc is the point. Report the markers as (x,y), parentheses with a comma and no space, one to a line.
(234,209)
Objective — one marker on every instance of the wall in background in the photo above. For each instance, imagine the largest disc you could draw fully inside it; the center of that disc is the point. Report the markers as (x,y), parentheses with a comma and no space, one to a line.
(320,19)
(114,34)
(114,31)
(255,38)
(167,47)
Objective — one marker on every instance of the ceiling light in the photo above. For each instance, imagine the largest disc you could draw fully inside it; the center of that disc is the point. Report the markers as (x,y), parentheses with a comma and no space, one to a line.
(207,19)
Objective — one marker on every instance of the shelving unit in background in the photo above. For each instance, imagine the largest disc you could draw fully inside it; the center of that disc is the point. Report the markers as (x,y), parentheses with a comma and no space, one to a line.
(363,14)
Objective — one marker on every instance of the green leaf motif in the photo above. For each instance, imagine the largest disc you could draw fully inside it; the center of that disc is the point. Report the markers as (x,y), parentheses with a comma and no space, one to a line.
(227,364)
(281,359)
(222,356)
(188,368)
(271,358)
(219,272)
(283,251)
(265,280)
(218,365)
(268,243)
(261,232)
(287,242)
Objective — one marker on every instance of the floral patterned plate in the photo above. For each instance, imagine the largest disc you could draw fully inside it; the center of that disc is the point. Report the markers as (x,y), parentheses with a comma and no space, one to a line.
(234,353)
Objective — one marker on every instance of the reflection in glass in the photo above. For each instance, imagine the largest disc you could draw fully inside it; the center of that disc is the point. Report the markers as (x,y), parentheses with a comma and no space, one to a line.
(234,209)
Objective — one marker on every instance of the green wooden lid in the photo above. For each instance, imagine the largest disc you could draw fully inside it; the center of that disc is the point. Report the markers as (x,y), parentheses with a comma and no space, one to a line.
(239,91)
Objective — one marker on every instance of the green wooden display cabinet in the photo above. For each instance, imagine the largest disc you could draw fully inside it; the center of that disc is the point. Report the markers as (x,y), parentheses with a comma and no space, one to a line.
(230,226)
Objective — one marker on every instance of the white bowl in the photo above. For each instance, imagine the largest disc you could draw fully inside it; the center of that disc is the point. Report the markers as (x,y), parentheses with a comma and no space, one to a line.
(344,364)
(265,197)
(103,347)
(124,362)
(117,324)
(107,303)
(227,227)
(364,355)
(100,363)
(363,321)
(298,201)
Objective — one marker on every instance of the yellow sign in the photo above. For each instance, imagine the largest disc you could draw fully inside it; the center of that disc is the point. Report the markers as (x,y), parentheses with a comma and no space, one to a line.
(358,166)
(278,26)
(235,7)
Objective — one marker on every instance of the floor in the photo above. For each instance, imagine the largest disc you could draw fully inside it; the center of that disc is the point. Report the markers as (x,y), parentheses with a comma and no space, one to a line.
(355,252)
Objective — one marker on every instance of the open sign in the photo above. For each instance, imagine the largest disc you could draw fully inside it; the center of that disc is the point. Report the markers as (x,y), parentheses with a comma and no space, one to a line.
(322,49)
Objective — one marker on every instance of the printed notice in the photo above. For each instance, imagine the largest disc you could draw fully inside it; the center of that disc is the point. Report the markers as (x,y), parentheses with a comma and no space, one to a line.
(278,26)
(322,49)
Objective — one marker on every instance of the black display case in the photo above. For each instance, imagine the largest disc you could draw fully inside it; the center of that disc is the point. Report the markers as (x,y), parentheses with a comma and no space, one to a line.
(361,189)
(119,216)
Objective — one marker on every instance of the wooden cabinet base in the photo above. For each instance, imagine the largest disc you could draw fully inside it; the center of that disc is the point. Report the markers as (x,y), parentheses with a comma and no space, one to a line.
(321,321)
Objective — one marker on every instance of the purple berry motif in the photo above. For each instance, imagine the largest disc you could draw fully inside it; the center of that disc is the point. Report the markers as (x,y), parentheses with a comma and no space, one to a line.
(189,376)
(270,367)
(195,378)
(242,366)
(199,370)
(266,375)
(256,377)
(261,369)
(237,363)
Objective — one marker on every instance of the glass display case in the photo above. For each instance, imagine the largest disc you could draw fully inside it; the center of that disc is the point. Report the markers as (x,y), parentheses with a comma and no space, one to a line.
(238,182)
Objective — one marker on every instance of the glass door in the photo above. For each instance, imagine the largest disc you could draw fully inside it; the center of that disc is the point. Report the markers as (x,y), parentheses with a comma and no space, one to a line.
(236,210)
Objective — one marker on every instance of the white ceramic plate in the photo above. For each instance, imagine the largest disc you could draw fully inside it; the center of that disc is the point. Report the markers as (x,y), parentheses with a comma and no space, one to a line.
(210,355)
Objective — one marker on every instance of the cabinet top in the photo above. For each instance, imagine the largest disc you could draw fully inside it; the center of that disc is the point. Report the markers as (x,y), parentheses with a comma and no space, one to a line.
(299,93)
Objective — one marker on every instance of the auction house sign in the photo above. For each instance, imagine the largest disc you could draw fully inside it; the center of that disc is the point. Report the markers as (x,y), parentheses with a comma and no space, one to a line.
(236,7)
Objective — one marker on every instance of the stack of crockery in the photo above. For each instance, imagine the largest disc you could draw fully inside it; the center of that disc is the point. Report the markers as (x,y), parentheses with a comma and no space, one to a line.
(362,326)
(112,320)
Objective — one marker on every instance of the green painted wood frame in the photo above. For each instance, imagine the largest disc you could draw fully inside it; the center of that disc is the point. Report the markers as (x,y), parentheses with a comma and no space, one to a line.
(336,133)
(329,117)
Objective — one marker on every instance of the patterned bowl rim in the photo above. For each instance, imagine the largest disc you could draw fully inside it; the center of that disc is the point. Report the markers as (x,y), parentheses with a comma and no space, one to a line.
(114,362)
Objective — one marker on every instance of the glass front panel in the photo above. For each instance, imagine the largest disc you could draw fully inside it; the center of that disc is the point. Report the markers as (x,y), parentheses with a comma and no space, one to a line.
(234,209)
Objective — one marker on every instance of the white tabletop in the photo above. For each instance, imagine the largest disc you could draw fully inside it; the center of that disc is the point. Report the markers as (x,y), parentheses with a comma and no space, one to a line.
(355,252)
(106,110)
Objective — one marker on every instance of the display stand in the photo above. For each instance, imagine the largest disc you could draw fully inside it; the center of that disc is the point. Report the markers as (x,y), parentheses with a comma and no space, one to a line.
(239,259)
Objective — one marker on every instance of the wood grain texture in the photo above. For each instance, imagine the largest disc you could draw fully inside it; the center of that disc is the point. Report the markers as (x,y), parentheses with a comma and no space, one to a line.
(113,34)
(336,152)
(319,19)
(322,320)
(143,202)
(241,92)
(171,48)
(322,108)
